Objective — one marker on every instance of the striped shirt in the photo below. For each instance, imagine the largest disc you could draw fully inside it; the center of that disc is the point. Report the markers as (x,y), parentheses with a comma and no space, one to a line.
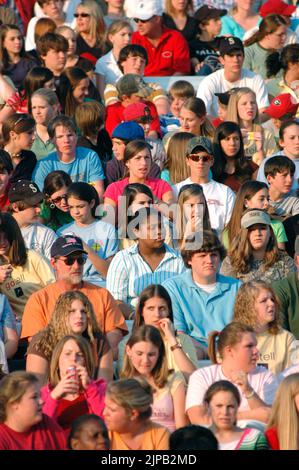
(129,273)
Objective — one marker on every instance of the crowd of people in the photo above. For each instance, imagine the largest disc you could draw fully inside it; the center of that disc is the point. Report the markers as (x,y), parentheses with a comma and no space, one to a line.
(149,237)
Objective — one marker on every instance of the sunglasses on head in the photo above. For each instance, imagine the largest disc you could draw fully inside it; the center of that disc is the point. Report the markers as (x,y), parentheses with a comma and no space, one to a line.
(138,20)
(195,157)
(82,15)
(70,260)
(58,199)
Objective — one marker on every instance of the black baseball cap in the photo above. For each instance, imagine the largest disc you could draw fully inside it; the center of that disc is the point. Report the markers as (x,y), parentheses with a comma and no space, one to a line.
(25,190)
(66,245)
(230,44)
(224,97)
(207,12)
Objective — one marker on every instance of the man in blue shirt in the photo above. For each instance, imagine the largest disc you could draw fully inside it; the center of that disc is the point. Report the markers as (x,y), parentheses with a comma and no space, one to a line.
(202,299)
(82,164)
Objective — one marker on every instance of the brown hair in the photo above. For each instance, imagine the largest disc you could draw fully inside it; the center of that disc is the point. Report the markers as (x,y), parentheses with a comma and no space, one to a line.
(175,163)
(43,26)
(54,41)
(198,107)
(268,25)
(12,388)
(229,336)
(132,148)
(89,117)
(181,89)
(17,122)
(132,394)
(171,11)
(69,80)
(116,27)
(208,243)
(222,386)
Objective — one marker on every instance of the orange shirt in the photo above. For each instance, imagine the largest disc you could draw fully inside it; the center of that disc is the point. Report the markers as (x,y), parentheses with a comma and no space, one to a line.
(155,438)
(40,306)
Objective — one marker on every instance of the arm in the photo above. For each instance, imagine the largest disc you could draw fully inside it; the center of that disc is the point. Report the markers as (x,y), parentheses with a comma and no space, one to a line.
(179,398)
(168,197)
(99,187)
(100,264)
(10,339)
(114,337)
(38,366)
(106,367)
(199,415)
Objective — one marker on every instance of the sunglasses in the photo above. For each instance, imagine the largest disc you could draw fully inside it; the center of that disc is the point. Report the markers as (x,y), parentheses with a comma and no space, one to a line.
(82,15)
(138,20)
(58,199)
(70,260)
(195,157)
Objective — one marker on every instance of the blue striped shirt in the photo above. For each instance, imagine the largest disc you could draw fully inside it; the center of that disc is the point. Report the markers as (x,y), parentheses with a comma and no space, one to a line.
(129,273)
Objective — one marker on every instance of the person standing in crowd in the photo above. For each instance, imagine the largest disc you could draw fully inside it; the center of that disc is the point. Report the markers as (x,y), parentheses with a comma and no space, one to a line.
(6,170)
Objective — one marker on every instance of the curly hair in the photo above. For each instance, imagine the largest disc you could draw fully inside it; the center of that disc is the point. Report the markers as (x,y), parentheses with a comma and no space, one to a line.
(244,308)
(58,326)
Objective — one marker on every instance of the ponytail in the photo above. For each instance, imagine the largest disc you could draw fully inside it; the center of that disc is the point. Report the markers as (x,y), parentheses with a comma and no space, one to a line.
(229,336)
(267,26)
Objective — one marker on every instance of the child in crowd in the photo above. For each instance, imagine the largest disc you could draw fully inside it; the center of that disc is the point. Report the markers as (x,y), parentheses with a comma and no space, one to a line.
(88,432)
(178,93)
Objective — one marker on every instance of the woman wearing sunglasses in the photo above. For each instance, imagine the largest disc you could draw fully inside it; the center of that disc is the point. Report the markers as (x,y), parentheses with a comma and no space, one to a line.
(90,29)
(220,198)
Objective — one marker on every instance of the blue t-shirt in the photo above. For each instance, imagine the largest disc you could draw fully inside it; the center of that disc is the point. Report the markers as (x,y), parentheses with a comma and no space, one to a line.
(102,238)
(86,167)
(7,318)
(232,28)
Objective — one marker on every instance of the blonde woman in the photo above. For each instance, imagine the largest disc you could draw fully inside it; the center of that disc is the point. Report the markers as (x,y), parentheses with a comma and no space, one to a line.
(241,18)
(256,305)
(175,168)
(90,28)
(177,16)
(69,34)
(283,426)
(242,109)
(73,314)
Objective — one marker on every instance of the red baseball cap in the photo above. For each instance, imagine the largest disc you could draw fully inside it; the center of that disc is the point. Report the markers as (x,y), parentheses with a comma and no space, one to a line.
(276,6)
(281,105)
(136,111)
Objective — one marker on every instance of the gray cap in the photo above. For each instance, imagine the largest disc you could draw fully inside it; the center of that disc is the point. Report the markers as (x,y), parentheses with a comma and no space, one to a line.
(133,83)
(197,142)
(255,216)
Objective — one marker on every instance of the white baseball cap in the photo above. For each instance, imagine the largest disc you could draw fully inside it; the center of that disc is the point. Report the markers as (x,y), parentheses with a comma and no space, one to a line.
(146,9)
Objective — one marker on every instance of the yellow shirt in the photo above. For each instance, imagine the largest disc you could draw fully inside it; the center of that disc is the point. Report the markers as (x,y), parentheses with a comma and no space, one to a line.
(275,350)
(156,437)
(25,280)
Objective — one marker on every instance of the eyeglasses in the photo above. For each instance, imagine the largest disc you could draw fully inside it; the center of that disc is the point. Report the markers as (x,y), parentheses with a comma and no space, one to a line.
(195,157)
(70,260)
(138,20)
(82,15)
(58,199)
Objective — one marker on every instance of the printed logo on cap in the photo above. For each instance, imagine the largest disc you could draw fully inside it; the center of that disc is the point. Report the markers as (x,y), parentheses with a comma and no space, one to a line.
(33,188)
(277,102)
(71,240)
(231,41)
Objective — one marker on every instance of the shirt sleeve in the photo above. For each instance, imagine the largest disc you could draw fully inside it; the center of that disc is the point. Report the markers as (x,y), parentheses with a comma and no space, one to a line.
(111,192)
(269,387)
(230,205)
(205,92)
(96,172)
(197,388)
(113,316)
(181,62)
(44,270)
(248,56)
(7,318)
(178,314)
(118,278)
(39,174)
(34,317)
(261,92)
(112,243)
(112,119)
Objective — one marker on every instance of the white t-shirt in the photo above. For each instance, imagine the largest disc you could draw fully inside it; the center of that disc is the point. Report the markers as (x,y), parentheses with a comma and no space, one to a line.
(108,67)
(220,200)
(216,83)
(39,238)
(263,382)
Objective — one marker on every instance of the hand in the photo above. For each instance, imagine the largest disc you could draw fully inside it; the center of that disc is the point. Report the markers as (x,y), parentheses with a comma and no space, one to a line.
(168,330)
(67,385)
(83,376)
(258,139)
(5,272)
(239,377)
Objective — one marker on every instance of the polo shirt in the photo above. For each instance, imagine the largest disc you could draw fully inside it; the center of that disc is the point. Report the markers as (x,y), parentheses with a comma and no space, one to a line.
(42,149)
(197,312)
(170,56)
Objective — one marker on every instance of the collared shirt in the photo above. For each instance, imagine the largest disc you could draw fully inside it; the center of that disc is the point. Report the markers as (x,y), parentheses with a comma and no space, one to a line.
(129,273)
(197,312)
(107,66)
(170,56)
(40,148)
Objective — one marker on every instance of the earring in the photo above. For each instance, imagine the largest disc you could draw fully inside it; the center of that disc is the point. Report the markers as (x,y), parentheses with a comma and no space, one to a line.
(52,205)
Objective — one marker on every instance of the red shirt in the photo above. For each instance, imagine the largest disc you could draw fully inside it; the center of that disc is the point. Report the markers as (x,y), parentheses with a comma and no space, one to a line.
(115,115)
(46,435)
(171,55)
(272,438)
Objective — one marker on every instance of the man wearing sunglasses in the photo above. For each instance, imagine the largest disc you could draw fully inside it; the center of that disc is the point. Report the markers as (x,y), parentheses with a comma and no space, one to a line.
(68,258)
(220,198)
(167,49)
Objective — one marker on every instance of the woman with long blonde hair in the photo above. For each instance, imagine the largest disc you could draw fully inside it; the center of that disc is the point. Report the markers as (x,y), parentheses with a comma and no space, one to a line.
(242,109)
(177,17)
(175,168)
(90,28)
(283,425)
(73,314)
(193,117)
(241,18)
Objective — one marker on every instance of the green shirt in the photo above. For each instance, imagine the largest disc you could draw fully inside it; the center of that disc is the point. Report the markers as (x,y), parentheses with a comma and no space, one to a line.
(41,148)
(54,218)
(255,59)
(287,291)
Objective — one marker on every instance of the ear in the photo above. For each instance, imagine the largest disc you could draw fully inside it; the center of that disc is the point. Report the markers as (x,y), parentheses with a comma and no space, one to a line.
(53,263)
(13,135)
(221,60)
(245,203)
(128,351)
(134,415)
(15,207)
(269,178)
(92,203)
(74,443)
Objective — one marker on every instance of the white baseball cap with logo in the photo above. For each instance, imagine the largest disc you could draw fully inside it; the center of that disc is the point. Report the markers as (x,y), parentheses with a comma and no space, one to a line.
(146,9)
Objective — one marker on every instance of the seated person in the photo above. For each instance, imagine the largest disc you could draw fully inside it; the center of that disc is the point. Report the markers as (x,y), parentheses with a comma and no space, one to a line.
(282,108)
(6,169)
(178,93)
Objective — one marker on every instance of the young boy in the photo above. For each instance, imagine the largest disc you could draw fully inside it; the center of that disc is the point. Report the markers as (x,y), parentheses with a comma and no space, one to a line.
(178,93)
(279,172)
(6,170)
(52,49)
(25,199)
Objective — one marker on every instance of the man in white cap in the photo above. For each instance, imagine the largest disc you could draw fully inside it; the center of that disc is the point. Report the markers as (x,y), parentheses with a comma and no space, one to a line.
(168,51)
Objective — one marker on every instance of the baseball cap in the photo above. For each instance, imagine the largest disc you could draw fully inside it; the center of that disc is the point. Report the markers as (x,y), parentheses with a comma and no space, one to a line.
(206,12)
(133,83)
(129,130)
(276,6)
(25,190)
(146,9)
(65,245)
(137,111)
(224,97)
(197,142)
(230,44)
(281,105)
(255,216)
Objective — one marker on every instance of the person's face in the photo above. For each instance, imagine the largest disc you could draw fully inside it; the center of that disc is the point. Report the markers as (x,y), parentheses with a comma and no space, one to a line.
(139,165)
(13,41)
(91,437)
(213,27)
(222,110)
(24,140)
(202,166)
(223,410)
(259,235)
(179,5)
(190,122)
(148,27)
(205,265)
(247,107)
(244,354)
(233,62)
(77,319)
(154,310)
(83,21)
(264,307)
(55,61)
(146,126)
(4,244)
(290,141)
(246,4)
(59,198)
(65,140)
(42,111)
(122,38)
(115,3)
(143,357)
(151,233)
(282,182)
(71,274)
(176,104)
(80,210)
(4,180)
(70,36)
(81,90)
(28,410)
(134,64)
(118,147)
(260,200)
(116,417)
(71,355)
(53,8)
(141,200)
(230,145)
(30,215)
(193,208)
(277,39)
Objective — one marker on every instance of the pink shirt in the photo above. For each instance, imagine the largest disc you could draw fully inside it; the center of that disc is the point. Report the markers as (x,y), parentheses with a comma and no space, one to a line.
(158,187)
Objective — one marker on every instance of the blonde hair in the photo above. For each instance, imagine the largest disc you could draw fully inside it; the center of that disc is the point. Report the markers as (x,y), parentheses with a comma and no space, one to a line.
(244,307)
(232,109)
(169,9)
(230,336)
(198,107)
(176,161)
(116,27)
(97,24)
(85,348)
(12,388)
(284,413)
(132,394)
(48,95)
